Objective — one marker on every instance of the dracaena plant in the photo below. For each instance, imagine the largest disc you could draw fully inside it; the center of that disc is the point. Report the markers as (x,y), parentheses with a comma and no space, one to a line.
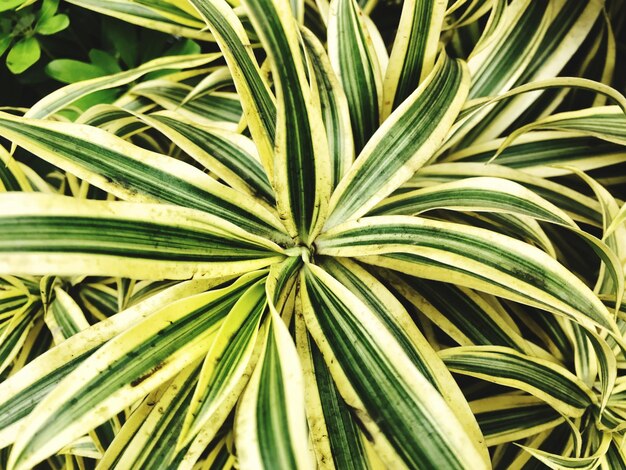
(325,245)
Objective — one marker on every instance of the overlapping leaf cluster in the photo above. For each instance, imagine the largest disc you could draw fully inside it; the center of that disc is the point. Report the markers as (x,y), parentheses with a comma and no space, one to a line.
(325,245)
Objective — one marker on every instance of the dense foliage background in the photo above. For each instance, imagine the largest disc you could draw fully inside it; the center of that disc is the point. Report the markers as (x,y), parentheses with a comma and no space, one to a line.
(312,234)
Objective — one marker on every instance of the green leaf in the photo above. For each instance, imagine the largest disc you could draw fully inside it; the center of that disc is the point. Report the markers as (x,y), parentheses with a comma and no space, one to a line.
(72,71)
(52,25)
(105,61)
(184,47)
(125,40)
(10,4)
(48,9)
(5,42)
(23,54)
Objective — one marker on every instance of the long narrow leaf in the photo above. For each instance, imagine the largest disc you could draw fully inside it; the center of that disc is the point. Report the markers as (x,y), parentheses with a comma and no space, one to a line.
(301,161)
(45,234)
(408,421)
(405,141)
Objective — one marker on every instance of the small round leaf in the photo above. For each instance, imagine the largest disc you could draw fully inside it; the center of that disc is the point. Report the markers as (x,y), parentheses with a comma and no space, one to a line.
(71,71)
(53,25)
(24,54)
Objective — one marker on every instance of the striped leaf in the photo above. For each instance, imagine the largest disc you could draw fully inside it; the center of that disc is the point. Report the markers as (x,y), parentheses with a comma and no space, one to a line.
(470,257)
(615,240)
(545,153)
(301,162)
(220,109)
(14,330)
(134,420)
(407,420)
(125,369)
(511,417)
(152,444)
(165,16)
(217,79)
(607,123)
(256,98)
(12,177)
(501,57)
(570,22)
(548,329)
(498,195)
(397,321)
(477,111)
(522,227)
(45,234)
(270,426)
(135,174)
(557,461)
(464,315)
(615,458)
(25,389)
(82,447)
(546,380)
(354,60)
(226,367)
(580,207)
(405,141)
(65,96)
(414,50)
(334,106)
(475,194)
(337,441)
(65,318)
(231,156)
(219,456)
(279,288)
